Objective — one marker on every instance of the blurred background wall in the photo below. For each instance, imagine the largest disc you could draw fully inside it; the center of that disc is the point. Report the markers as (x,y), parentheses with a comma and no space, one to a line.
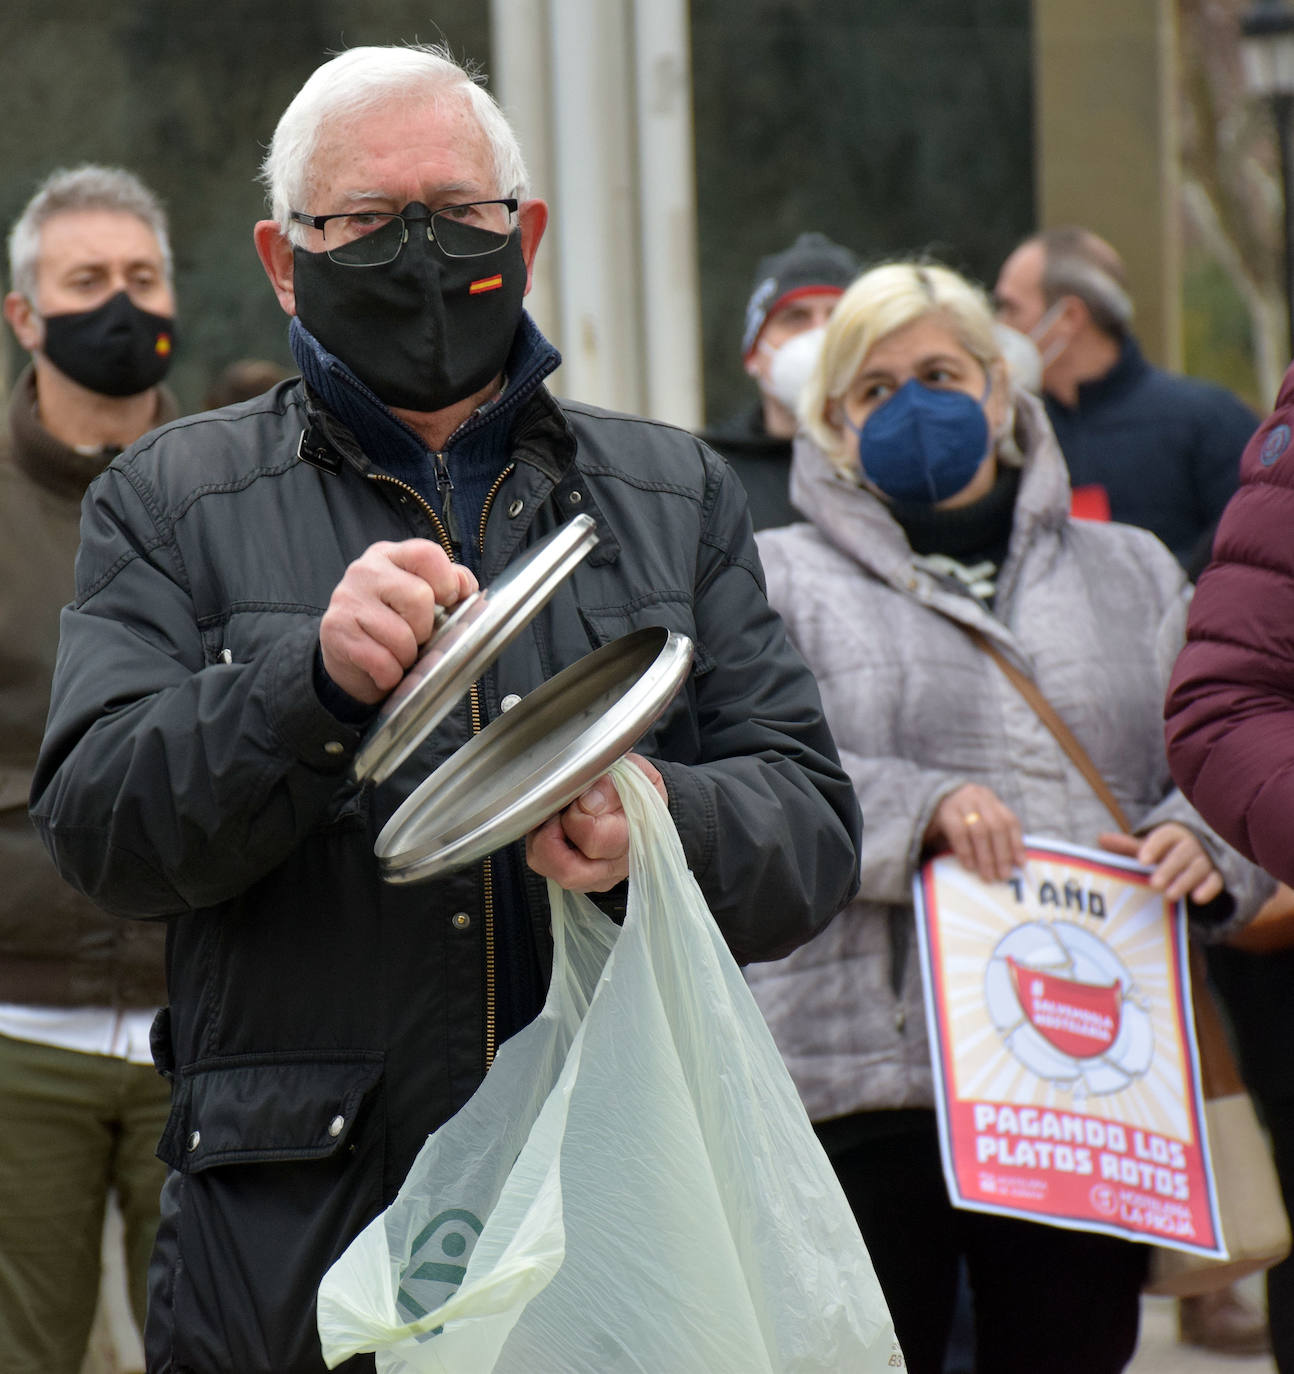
(949,127)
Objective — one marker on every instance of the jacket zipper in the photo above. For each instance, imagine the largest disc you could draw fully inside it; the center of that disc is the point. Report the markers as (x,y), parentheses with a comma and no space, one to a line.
(487,868)
(445,487)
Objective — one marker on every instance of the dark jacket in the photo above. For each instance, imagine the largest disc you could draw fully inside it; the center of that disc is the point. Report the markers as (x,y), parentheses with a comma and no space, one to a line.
(56,948)
(762,462)
(322,1023)
(1165,448)
(1230,710)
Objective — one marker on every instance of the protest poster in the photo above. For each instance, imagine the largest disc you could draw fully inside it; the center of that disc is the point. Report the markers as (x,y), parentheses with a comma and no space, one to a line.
(1067,1081)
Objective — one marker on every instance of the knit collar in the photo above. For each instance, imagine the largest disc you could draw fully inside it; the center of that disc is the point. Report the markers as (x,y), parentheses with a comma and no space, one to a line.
(1126,372)
(48,461)
(383,436)
(963,547)
(980,530)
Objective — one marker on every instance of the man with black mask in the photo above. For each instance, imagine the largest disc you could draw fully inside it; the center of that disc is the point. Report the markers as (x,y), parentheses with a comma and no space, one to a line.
(80,1100)
(253,583)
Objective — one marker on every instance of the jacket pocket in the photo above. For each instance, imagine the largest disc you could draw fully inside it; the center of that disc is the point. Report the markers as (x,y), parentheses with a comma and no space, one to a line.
(250,1108)
(280,1162)
(605,623)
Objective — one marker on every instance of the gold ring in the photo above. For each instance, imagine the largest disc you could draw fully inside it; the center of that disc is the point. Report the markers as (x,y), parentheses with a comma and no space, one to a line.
(971,818)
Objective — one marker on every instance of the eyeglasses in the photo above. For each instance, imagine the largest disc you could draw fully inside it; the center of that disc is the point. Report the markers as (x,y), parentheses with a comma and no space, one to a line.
(459,231)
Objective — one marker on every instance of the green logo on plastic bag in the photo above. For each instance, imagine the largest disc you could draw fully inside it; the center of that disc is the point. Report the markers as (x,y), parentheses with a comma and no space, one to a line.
(438,1261)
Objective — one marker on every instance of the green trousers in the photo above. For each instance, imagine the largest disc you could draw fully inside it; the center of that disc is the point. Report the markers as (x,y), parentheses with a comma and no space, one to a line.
(72,1127)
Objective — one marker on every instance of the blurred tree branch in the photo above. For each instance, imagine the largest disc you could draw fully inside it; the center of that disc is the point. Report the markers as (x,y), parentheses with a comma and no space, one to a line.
(1231,193)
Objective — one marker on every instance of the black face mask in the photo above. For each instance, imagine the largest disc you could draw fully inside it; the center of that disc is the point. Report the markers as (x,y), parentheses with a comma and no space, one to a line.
(117,349)
(423,331)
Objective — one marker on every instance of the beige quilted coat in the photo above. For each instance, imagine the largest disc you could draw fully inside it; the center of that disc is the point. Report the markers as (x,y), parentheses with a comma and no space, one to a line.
(1094,612)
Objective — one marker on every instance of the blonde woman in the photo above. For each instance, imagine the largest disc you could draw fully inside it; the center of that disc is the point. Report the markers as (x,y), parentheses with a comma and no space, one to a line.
(938,500)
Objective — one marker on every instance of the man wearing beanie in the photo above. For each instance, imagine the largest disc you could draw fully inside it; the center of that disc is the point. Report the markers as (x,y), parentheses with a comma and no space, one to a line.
(795,291)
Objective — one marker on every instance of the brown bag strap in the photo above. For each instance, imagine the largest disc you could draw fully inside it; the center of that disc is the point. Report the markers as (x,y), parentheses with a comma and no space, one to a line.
(1066,738)
(1219,1074)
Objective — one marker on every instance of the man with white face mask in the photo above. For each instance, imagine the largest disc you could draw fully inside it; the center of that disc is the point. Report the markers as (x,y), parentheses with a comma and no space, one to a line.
(794,294)
(1144,446)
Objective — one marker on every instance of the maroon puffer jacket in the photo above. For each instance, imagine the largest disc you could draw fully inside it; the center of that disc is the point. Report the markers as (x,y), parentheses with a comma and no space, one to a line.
(1230,707)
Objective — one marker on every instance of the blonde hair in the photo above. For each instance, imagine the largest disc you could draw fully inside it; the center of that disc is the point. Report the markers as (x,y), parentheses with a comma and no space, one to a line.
(884,299)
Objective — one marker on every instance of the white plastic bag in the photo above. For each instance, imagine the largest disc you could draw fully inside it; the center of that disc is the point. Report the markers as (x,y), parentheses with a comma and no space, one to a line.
(634,1187)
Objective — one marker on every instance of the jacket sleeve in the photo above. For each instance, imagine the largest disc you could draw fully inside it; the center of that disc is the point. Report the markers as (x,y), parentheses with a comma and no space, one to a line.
(245,754)
(769,821)
(1230,705)
(1227,426)
(1245,887)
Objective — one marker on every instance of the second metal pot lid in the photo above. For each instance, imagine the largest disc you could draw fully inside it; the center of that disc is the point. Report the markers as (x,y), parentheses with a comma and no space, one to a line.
(533,760)
(471,637)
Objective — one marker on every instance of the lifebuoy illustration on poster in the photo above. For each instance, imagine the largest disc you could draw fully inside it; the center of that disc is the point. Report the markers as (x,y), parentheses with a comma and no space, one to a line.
(1068,1008)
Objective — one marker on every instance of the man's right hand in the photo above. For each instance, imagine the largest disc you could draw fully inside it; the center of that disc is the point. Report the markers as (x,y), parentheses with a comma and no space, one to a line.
(384,610)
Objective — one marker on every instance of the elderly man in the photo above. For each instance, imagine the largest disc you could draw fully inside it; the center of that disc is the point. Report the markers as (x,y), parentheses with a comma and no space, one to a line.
(252,583)
(81,1103)
(1144,446)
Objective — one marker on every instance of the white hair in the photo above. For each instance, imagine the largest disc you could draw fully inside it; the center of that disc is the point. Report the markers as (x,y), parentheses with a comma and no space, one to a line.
(359,80)
(67,190)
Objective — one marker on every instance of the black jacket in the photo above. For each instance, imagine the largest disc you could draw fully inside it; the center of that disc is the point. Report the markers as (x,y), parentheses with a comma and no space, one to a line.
(321,1022)
(762,461)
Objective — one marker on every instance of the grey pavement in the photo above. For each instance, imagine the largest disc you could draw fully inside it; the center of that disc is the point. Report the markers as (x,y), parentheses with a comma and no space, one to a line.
(1158,1351)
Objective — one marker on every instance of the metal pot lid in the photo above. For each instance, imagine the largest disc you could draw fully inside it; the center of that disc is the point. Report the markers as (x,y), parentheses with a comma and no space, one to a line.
(469,639)
(533,760)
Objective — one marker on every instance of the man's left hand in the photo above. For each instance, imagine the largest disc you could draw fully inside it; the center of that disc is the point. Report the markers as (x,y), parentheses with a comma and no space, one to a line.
(586,847)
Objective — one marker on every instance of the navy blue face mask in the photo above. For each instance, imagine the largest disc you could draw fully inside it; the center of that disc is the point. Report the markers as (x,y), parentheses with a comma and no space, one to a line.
(923,445)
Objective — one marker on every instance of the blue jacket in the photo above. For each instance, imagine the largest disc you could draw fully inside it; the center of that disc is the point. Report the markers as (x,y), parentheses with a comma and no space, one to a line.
(1166,448)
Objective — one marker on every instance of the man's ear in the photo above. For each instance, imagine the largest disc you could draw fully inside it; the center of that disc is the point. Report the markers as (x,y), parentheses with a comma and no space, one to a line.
(24,321)
(1075,314)
(275,253)
(532,215)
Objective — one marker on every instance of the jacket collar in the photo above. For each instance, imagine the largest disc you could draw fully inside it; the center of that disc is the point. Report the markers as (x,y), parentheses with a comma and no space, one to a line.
(376,431)
(48,461)
(1128,369)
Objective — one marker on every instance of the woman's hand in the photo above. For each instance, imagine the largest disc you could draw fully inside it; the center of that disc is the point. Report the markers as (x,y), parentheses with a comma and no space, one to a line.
(981,830)
(1182,867)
